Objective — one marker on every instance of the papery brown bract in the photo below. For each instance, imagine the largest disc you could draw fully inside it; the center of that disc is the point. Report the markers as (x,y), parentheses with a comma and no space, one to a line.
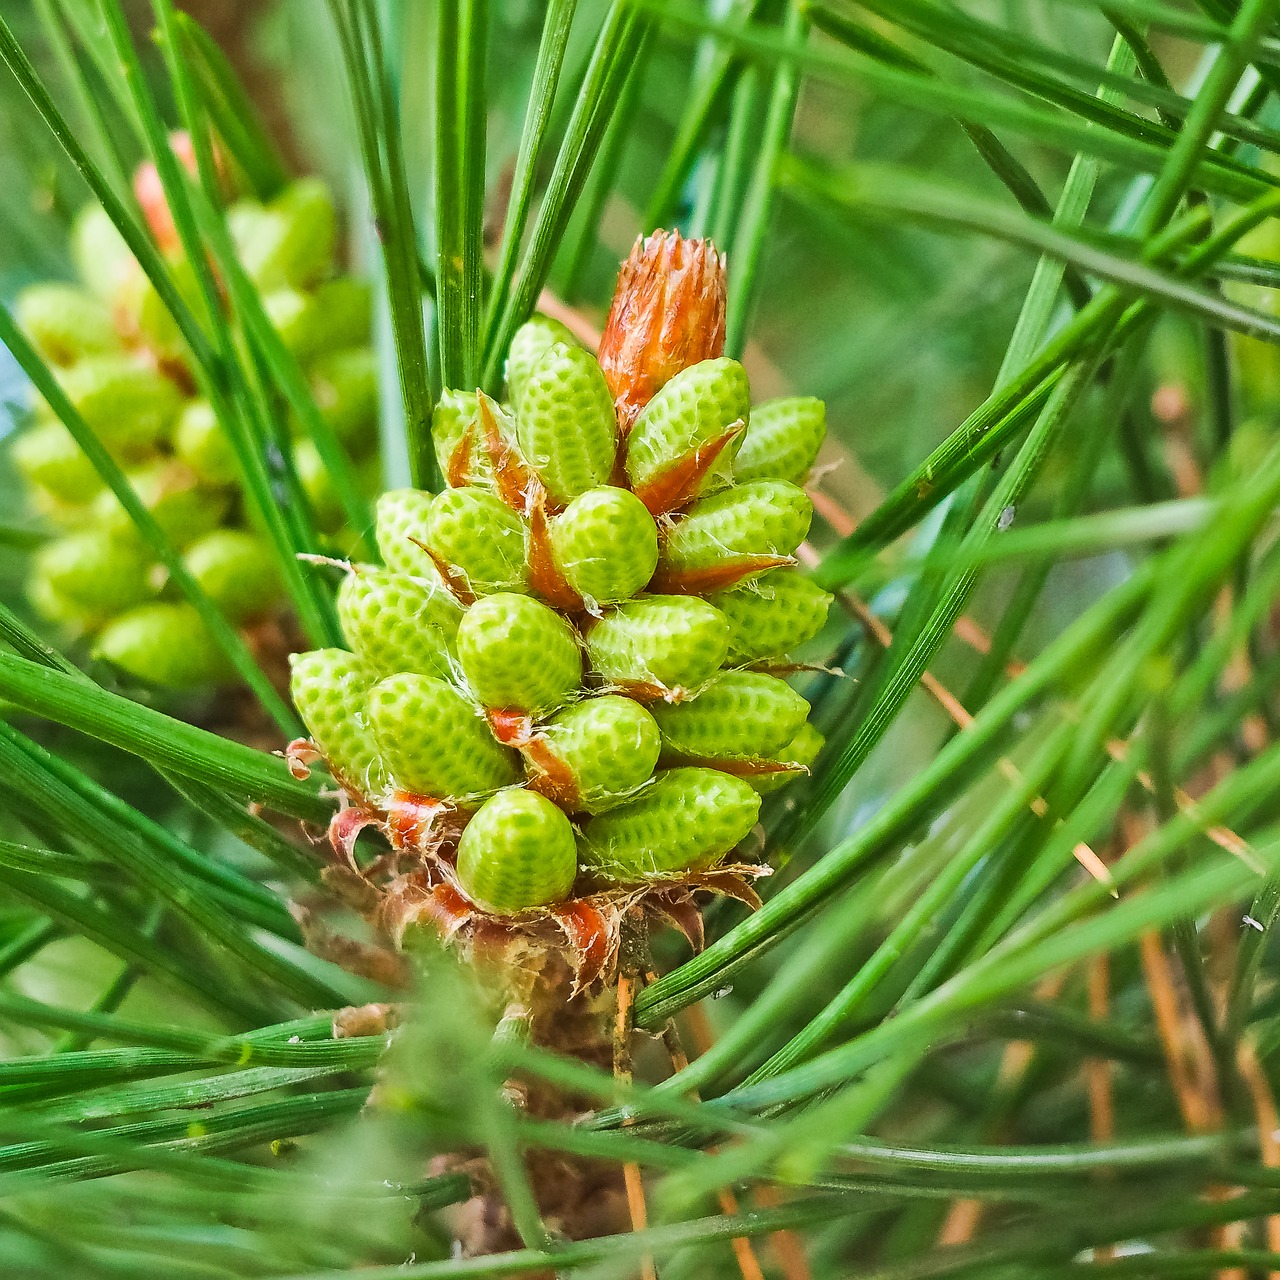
(668,313)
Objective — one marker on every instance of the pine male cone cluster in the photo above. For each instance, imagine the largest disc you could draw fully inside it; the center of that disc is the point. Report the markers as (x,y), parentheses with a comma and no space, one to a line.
(125,367)
(560,693)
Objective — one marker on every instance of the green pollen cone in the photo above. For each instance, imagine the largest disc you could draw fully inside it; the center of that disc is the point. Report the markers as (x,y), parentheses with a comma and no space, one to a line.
(454,413)
(699,404)
(251,230)
(517,654)
(164,644)
(203,445)
(686,821)
(291,242)
(330,688)
(96,574)
(292,315)
(741,715)
(345,385)
(317,484)
(532,341)
(764,517)
(184,509)
(457,417)
(54,607)
(802,750)
(103,259)
(454,651)
(601,748)
(782,440)
(142,307)
(400,517)
(398,623)
(65,324)
(47,455)
(517,853)
(127,405)
(605,544)
(769,617)
(434,741)
(477,535)
(670,642)
(237,571)
(566,428)
(342,316)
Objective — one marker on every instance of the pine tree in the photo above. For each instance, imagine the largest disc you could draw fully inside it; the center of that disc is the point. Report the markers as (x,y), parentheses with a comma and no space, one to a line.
(638,877)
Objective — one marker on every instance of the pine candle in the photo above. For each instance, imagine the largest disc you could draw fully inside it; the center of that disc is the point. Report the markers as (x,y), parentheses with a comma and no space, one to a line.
(560,689)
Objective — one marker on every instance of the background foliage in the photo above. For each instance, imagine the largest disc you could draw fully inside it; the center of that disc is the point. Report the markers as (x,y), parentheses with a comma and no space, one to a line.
(1010,1008)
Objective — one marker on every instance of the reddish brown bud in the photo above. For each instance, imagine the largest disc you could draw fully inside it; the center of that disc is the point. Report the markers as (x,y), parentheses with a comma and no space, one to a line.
(667,313)
(150,192)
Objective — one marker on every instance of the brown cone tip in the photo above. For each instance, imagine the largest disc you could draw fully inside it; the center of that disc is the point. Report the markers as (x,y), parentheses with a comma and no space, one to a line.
(149,192)
(667,314)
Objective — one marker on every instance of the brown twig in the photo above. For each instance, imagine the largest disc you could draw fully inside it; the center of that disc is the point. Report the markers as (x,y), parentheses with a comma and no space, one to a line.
(1192,1071)
(1188,1056)
(1226,839)
(1199,1113)
(1098,1071)
(1264,1109)
(622,1073)
(748,1264)
(1172,409)
(965,1215)
(786,1246)
(961,1223)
